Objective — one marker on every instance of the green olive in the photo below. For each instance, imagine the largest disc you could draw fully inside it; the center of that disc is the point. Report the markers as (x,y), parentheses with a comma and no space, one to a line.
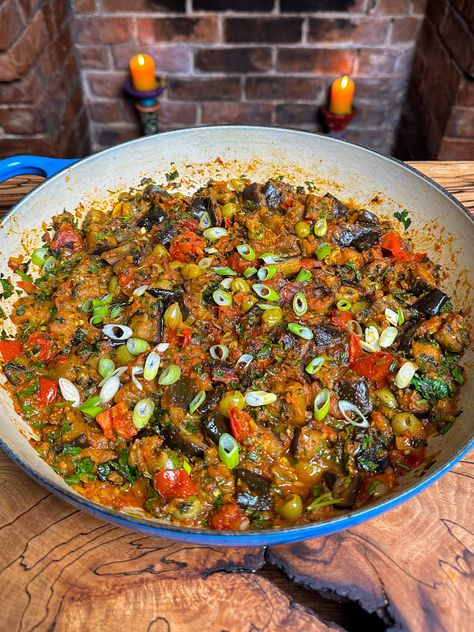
(112,285)
(123,355)
(248,303)
(164,285)
(166,460)
(302,229)
(237,184)
(191,271)
(160,251)
(173,316)
(188,508)
(239,285)
(272,316)
(229,210)
(406,422)
(386,397)
(292,508)
(230,400)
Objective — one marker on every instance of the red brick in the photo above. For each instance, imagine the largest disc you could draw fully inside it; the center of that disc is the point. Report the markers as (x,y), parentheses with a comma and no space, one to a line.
(405,30)
(72,108)
(21,120)
(365,31)
(10,24)
(456,149)
(459,40)
(419,7)
(132,6)
(294,114)
(100,30)
(94,57)
(315,60)
(374,61)
(237,113)
(114,135)
(26,90)
(84,6)
(38,144)
(233,59)
(339,6)
(27,7)
(107,84)
(373,114)
(231,5)
(373,88)
(106,111)
(196,29)
(466,92)
(263,30)
(168,59)
(373,138)
(177,114)
(15,63)
(56,14)
(461,123)
(215,89)
(389,7)
(284,88)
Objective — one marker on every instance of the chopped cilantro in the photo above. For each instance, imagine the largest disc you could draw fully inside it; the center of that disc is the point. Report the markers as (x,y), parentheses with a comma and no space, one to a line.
(172,175)
(402,217)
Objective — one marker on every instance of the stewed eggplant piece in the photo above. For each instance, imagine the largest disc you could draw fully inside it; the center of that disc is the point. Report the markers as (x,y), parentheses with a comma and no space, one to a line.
(356,392)
(431,303)
(253,490)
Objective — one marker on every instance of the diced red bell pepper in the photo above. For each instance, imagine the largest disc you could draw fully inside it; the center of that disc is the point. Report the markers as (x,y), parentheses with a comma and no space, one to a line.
(174,484)
(340,319)
(41,346)
(354,347)
(117,419)
(239,423)
(229,518)
(187,245)
(392,243)
(67,239)
(184,337)
(48,391)
(27,286)
(374,367)
(10,349)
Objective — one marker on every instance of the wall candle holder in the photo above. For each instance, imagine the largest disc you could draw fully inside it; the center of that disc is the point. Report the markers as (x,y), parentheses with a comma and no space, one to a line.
(147,106)
(336,123)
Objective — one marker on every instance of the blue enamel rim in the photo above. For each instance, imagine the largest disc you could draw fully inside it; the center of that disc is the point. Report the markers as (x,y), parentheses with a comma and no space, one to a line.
(245,538)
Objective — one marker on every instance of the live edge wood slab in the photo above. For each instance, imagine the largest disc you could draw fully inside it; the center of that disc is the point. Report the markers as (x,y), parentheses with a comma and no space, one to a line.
(413,567)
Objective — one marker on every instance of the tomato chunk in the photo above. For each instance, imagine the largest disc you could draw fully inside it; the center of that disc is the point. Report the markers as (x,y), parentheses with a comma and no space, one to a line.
(229,518)
(10,349)
(40,346)
(392,243)
(187,245)
(375,367)
(340,319)
(67,239)
(117,419)
(48,391)
(354,347)
(239,423)
(174,484)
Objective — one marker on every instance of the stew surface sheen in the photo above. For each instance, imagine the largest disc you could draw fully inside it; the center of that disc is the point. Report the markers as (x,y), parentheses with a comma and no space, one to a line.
(251,356)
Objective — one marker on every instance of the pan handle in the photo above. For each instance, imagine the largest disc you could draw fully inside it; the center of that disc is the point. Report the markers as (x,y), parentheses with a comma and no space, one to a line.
(39,165)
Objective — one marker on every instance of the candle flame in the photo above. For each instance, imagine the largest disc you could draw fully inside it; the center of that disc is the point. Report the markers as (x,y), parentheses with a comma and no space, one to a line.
(344,81)
(141,60)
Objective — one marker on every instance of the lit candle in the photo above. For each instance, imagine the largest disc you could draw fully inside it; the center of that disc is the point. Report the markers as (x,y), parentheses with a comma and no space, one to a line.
(342,93)
(142,69)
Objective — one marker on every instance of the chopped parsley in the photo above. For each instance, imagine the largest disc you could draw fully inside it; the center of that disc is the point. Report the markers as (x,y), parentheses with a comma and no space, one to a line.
(402,217)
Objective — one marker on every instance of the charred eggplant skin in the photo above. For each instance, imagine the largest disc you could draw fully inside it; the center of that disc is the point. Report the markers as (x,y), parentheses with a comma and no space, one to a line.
(253,490)
(356,392)
(431,303)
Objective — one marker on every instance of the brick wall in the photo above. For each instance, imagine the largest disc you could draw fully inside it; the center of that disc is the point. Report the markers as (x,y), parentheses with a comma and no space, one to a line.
(41,107)
(248,61)
(438,118)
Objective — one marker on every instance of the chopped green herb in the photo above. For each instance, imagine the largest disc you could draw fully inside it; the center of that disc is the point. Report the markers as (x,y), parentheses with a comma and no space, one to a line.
(402,217)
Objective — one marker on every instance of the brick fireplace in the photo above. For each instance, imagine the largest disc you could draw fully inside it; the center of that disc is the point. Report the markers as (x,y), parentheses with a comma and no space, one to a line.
(270,62)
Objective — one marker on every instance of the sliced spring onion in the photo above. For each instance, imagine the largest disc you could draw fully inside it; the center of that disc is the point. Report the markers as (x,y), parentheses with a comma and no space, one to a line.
(387,336)
(299,330)
(391,316)
(372,337)
(142,413)
(405,374)
(118,372)
(86,306)
(245,359)
(320,227)
(215,233)
(265,306)
(205,262)
(99,314)
(228,451)
(226,283)
(322,402)
(139,291)
(322,501)
(303,275)
(90,407)
(219,352)
(246,251)
(323,251)
(137,370)
(211,250)
(260,398)
(265,292)
(115,311)
(186,467)
(358,418)
(117,332)
(39,256)
(353,327)
(225,271)
(136,346)
(161,347)
(152,364)
(222,298)
(315,365)
(197,401)
(401,317)
(170,375)
(49,265)
(106,367)
(70,392)
(205,220)
(343,305)
(249,272)
(267,272)
(374,348)
(270,257)
(109,390)
(300,304)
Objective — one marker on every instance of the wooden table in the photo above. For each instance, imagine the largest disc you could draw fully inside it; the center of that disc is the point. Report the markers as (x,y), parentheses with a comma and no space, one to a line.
(410,569)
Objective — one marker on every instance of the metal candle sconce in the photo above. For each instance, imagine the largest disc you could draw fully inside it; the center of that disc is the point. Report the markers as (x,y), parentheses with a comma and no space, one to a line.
(147,106)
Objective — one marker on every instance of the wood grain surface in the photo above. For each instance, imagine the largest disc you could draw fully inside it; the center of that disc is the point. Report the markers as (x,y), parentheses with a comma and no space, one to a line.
(413,568)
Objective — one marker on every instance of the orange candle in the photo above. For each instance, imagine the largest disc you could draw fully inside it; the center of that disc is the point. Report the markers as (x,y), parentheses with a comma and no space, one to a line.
(142,69)
(342,94)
